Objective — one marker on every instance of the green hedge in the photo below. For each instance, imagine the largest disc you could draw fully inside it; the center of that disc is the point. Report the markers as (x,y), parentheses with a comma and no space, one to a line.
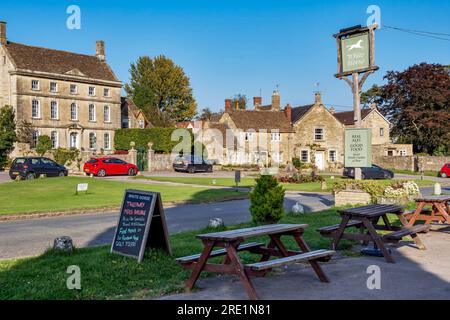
(161,138)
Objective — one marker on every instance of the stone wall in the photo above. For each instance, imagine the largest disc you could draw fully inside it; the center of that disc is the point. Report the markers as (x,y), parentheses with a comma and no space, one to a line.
(431,163)
(159,162)
(395,162)
(351,197)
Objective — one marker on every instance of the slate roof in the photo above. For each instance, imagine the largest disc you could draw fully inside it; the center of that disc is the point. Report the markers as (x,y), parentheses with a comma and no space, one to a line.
(59,62)
(299,112)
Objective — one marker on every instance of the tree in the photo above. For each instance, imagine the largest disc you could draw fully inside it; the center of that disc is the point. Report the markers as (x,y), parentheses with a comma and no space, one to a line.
(44,144)
(25,132)
(206,114)
(161,88)
(266,200)
(239,101)
(371,96)
(416,101)
(7,133)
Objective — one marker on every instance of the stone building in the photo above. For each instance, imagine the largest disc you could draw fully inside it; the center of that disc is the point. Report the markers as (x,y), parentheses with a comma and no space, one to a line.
(132,117)
(319,136)
(73,98)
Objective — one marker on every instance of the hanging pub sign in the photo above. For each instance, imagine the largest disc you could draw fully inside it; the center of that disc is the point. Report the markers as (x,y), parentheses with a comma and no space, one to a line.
(141,224)
(356,50)
(358,148)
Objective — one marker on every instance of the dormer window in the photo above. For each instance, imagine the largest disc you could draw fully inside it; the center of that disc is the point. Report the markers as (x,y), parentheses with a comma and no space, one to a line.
(91,91)
(34,84)
(53,87)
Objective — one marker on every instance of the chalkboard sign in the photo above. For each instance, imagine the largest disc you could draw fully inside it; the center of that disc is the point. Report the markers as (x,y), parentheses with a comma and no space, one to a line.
(141,224)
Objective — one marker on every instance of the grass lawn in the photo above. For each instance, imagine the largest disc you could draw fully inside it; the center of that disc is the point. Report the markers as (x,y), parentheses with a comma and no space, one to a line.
(58,194)
(425,173)
(110,276)
(249,182)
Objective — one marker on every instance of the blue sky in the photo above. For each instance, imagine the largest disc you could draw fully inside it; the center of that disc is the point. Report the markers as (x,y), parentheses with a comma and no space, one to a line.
(229,47)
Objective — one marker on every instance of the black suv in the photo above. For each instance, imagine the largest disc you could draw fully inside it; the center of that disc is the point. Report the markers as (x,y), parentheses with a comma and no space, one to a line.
(373,172)
(31,167)
(192,164)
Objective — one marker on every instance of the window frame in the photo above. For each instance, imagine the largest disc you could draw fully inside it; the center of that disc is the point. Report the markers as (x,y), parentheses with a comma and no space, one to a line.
(90,141)
(38,84)
(73,85)
(335,155)
(106,119)
(315,134)
(38,106)
(54,103)
(55,143)
(56,86)
(76,112)
(35,138)
(307,156)
(381,132)
(93,91)
(106,92)
(94,117)
(276,135)
(107,147)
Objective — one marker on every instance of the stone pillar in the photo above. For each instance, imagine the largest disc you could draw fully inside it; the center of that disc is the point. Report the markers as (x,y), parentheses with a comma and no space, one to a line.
(132,153)
(150,156)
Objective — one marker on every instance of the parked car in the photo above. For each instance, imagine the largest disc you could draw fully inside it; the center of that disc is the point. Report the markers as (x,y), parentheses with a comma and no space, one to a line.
(445,170)
(192,164)
(374,172)
(32,167)
(109,166)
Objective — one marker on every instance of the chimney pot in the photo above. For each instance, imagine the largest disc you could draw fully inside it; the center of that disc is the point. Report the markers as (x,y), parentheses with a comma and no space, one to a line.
(257,101)
(3,39)
(100,49)
(227,105)
(318,97)
(288,112)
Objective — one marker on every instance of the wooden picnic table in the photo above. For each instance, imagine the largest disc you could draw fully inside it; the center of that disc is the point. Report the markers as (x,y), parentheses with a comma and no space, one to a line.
(231,243)
(440,210)
(367,219)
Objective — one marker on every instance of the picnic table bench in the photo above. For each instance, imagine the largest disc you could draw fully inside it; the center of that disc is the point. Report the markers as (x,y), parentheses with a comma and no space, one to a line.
(366,219)
(231,243)
(439,212)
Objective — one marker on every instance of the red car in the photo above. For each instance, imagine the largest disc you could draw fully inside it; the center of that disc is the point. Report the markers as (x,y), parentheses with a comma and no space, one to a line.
(445,171)
(109,166)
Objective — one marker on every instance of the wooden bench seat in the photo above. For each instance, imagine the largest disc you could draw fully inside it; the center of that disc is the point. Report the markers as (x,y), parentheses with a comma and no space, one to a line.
(333,228)
(313,255)
(219,252)
(406,231)
(411,212)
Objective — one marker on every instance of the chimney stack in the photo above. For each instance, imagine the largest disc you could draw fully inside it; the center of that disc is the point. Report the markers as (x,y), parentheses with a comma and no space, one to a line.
(288,112)
(257,102)
(227,105)
(100,50)
(2,33)
(373,106)
(318,98)
(276,101)
(332,111)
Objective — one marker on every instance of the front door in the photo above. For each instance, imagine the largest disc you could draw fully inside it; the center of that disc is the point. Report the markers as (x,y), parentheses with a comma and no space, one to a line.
(320,161)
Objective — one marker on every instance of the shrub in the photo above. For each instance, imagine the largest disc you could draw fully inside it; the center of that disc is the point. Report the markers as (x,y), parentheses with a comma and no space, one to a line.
(266,200)
(65,156)
(300,178)
(160,137)
(44,144)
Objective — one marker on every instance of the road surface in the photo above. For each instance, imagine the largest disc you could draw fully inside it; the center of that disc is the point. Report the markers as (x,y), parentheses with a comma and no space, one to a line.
(31,237)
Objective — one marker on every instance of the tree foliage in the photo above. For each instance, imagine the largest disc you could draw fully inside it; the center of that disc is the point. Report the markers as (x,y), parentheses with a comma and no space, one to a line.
(162,90)
(239,101)
(7,133)
(266,200)
(416,101)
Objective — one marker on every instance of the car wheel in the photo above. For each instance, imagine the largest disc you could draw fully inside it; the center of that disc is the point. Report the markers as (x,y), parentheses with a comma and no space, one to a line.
(443,175)
(363,176)
(30,176)
(210,169)
(131,172)
(101,173)
(191,170)
(61,174)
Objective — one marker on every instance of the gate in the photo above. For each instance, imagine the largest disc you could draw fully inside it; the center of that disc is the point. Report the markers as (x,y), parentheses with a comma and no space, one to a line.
(142,159)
